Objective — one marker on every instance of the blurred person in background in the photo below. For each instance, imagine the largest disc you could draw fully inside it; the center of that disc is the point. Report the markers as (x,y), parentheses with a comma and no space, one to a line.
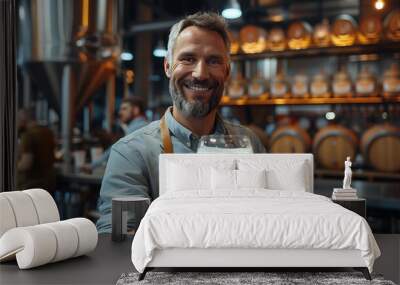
(35,161)
(132,117)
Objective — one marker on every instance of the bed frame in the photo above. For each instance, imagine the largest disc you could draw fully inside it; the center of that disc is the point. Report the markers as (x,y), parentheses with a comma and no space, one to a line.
(242,259)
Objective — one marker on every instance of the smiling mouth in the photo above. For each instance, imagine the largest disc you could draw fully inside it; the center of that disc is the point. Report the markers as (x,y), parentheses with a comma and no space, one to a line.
(197,87)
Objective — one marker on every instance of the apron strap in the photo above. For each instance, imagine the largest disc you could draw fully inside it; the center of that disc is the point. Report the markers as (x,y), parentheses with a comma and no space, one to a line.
(165,135)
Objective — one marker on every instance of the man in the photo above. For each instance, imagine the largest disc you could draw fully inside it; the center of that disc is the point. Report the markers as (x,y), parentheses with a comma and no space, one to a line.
(132,118)
(35,165)
(131,114)
(197,66)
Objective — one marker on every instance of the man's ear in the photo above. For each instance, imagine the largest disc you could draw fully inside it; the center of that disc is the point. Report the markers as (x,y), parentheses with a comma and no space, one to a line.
(167,67)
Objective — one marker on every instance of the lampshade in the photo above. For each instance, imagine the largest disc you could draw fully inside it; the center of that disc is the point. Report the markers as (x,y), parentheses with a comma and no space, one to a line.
(232,10)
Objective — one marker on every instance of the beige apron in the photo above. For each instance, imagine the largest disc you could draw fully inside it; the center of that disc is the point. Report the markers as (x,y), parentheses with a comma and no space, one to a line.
(165,136)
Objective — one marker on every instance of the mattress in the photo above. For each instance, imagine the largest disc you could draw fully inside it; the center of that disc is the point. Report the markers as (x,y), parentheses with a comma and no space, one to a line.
(251,219)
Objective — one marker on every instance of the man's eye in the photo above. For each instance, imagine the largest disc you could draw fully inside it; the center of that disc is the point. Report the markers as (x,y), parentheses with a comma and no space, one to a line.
(215,61)
(188,60)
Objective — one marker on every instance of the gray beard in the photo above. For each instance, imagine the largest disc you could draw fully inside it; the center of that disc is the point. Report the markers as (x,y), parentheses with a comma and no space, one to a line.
(195,109)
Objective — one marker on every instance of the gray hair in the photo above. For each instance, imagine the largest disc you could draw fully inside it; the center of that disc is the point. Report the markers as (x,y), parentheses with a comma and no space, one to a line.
(207,20)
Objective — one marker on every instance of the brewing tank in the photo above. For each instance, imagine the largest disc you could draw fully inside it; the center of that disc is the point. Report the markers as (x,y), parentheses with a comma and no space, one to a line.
(68,49)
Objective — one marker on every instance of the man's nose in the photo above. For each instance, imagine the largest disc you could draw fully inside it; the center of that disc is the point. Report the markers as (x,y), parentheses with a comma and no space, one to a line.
(200,70)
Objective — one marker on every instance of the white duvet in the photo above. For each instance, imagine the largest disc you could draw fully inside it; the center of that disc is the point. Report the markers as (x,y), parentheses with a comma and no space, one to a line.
(253,218)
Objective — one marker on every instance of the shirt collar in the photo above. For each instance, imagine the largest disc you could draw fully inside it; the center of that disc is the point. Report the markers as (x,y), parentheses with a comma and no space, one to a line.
(180,132)
(184,134)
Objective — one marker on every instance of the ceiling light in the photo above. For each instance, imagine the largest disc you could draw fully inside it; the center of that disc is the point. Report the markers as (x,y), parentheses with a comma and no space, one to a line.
(127,56)
(232,10)
(159,50)
(379,4)
(330,116)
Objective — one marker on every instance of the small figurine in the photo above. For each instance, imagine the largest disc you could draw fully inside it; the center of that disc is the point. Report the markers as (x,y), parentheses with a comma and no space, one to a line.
(347,174)
(347,192)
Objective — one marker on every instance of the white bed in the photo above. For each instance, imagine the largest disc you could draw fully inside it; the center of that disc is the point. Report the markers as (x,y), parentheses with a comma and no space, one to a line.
(267,218)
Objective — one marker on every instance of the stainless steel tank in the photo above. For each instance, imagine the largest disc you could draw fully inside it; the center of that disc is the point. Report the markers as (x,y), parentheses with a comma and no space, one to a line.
(68,49)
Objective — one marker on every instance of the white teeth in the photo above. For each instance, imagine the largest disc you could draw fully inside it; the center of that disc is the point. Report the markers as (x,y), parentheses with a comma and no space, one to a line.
(198,88)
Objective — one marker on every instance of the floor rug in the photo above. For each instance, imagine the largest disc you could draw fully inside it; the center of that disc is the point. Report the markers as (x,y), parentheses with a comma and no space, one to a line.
(244,278)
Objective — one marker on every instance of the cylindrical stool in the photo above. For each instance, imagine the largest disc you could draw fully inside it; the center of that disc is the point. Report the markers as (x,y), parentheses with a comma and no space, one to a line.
(290,139)
(332,144)
(121,207)
(380,146)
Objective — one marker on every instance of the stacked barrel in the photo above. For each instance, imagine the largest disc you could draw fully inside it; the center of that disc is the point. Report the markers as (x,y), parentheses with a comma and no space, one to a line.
(379,145)
(343,31)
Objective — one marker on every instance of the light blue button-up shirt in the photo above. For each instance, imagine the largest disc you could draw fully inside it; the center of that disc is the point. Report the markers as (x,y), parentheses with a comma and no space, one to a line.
(132,168)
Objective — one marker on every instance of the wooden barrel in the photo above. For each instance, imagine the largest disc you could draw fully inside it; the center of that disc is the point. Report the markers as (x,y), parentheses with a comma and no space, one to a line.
(299,35)
(344,31)
(253,39)
(277,39)
(332,144)
(370,29)
(380,146)
(322,34)
(392,25)
(290,139)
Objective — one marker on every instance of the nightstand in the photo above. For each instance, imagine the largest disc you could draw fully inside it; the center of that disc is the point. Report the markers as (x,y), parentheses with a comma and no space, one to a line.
(358,206)
(119,214)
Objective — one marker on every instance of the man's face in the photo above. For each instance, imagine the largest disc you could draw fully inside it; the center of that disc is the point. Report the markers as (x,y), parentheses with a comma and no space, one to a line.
(198,72)
(125,113)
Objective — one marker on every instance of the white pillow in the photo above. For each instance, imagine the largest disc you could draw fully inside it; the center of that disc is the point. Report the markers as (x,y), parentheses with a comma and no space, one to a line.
(183,177)
(223,179)
(296,181)
(194,174)
(251,178)
(289,175)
